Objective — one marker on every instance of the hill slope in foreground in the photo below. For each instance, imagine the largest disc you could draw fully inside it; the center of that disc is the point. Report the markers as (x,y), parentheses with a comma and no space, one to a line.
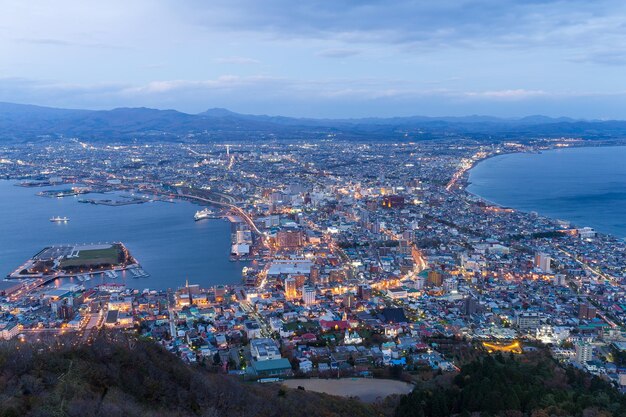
(118,375)
(110,379)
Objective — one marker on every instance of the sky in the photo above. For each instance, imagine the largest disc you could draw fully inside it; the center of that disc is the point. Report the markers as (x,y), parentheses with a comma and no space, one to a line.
(319,58)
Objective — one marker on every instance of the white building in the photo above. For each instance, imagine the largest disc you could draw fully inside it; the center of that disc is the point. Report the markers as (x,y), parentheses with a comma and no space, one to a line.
(305,365)
(9,331)
(552,334)
(352,338)
(586,233)
(264,349)
(241,249)
(397,293)
(308,295)
(253,330)
(584,352)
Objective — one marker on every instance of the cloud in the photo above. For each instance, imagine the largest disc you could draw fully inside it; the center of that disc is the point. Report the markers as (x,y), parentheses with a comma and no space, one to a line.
(238,60)
(338,53)
(422,24)
(219,83)
(334,98)
(518,94)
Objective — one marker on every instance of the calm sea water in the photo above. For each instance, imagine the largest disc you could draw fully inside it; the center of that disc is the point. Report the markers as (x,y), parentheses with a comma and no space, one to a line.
(162,236)
(586,186)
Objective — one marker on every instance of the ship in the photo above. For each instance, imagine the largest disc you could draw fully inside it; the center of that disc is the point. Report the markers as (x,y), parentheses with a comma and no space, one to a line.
(205,214)
(59,219)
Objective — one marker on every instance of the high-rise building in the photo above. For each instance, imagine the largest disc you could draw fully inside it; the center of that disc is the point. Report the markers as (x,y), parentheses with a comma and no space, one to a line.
(300,280)
(65,312)
(337,275)
(364,292)
(315,274)
(220,293)
(435,278)
(348,300)
(560,279)
(529,321)
(291,291)
(584,352)
(470,306)
(542,261)
(451,284)
(308,295)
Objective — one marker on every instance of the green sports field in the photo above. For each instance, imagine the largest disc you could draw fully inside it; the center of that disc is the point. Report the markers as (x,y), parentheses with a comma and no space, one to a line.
(91,257)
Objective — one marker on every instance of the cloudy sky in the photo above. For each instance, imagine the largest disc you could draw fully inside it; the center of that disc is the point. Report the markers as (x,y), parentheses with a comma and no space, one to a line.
(319,58)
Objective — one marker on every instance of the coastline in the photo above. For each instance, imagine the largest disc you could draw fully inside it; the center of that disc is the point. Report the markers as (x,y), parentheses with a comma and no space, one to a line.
(464,183)
(204,253)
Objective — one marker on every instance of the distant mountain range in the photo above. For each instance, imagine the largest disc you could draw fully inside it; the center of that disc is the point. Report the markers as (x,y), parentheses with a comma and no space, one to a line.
(26,123)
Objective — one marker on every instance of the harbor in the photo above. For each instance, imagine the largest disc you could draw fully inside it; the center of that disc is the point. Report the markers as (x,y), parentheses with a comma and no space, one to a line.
(64,261)
(164,238)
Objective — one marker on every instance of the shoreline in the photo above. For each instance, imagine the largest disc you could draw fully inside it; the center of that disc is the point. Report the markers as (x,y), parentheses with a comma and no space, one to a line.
(465,183)
(162,274)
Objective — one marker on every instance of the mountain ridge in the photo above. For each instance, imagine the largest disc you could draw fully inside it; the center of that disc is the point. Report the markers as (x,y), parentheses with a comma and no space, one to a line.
(26,123)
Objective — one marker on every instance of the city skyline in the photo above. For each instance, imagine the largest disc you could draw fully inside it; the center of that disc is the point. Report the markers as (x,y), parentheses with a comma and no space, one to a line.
(351,59)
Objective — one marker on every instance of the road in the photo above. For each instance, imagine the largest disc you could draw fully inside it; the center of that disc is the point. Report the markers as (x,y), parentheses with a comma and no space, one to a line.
(601,313)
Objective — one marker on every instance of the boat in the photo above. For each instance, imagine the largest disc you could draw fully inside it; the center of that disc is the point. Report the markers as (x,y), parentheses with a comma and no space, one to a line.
(59,219)
(205,214)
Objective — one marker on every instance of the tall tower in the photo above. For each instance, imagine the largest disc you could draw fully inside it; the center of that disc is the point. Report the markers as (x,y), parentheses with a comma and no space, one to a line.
(227,150)
(188,291)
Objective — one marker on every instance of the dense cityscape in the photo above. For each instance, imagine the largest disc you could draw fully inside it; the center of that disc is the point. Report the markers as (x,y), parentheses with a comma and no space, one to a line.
(312,209)
(365,257)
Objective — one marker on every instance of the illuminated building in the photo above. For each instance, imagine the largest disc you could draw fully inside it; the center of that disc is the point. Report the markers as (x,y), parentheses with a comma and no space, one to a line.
(337,275)
(364,292)
(393,201)
(352,338)
(289,239)
(542,261)
(315,274)
(514,347)
(300,280)
(397,293)
(220,292)
(435,278)
(348,300)
(291,291)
